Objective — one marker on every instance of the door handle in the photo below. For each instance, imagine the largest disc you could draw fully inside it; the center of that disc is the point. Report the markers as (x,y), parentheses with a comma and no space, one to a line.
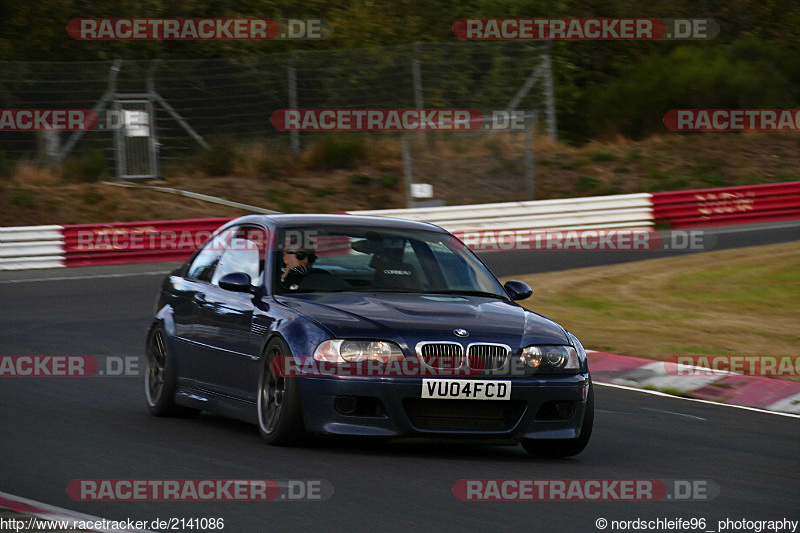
(199,297)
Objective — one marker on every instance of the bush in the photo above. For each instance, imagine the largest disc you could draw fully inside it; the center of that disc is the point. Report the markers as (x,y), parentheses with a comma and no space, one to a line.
(495,147)
(360,179)
(219,159)
(602,156)
(747,75)
(6,166)
(88,168)
(321,192)
(22,197)
(586,183)
(92,197)
(390,181)
(332,153)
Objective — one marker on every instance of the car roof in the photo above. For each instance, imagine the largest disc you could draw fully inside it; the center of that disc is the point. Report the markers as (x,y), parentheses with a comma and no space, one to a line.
(294,220)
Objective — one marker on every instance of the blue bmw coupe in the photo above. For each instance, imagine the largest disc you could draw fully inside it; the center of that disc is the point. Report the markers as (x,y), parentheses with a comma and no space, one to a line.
(313,325)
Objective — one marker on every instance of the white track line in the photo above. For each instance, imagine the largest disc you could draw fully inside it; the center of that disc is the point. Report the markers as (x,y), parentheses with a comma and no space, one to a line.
(50,512)
(658,393)
(671,413)
(65,278)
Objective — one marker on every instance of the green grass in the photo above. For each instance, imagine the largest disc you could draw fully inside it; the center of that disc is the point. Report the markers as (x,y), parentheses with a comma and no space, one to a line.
(742,301)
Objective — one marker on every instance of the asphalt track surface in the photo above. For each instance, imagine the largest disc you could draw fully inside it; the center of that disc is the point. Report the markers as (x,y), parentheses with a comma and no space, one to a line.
(54,430)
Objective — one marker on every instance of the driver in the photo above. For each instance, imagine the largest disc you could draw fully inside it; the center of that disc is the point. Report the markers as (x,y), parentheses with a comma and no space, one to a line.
(298,263)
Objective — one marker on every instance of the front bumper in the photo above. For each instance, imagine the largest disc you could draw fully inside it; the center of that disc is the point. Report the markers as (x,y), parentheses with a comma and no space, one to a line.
(403,413)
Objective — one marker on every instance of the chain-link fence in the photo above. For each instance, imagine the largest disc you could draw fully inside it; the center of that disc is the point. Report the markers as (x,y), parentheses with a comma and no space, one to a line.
(197,103)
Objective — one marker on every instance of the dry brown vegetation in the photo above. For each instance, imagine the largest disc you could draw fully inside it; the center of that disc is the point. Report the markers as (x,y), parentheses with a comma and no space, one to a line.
(462,169)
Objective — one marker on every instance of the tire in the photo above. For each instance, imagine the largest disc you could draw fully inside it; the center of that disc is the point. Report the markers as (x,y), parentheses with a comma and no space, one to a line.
(159,379)
(565,447)
(280,418)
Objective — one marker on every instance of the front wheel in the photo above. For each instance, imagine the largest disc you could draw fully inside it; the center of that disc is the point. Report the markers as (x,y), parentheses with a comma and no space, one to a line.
(565,447)
(280,419)
(160,380)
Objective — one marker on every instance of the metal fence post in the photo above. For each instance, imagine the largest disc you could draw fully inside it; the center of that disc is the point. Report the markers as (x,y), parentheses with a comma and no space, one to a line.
(550,105)
(416,75)
(294,135)
(530,171)
(408,171)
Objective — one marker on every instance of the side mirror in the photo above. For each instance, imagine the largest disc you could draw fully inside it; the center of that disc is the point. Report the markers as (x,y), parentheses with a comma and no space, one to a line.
(236,282)
(517,290)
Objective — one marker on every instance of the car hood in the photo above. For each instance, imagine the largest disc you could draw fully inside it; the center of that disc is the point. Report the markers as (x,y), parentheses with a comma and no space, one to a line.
(411,318)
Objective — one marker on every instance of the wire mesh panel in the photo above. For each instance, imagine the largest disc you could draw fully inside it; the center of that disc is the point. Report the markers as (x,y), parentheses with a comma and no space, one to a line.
(136,140)
(198,103)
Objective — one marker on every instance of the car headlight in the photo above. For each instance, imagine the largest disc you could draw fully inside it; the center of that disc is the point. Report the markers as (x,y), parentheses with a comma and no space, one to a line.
(350,351)
(555,357)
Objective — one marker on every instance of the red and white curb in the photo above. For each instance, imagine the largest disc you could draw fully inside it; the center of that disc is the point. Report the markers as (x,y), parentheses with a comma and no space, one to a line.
(32,509)
(763,393)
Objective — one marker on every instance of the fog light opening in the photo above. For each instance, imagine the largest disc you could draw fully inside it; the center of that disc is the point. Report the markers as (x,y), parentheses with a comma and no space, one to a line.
(565,410)
(346,405)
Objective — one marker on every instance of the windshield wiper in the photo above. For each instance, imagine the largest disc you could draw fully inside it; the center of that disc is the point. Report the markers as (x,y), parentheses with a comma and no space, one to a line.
(470,293)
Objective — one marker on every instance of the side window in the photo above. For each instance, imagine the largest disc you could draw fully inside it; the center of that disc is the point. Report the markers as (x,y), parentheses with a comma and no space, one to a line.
(242,256)
(244,253)
(205,263)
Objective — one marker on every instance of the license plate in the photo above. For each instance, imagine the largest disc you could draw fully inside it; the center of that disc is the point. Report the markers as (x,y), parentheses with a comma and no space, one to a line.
(466,389)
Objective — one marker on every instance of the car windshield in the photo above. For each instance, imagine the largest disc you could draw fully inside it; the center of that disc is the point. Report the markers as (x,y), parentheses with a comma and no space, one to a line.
(348,259)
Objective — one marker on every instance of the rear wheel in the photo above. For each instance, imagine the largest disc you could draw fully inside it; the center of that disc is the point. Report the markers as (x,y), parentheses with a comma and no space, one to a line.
(565,447)
(280,419)
(160,379)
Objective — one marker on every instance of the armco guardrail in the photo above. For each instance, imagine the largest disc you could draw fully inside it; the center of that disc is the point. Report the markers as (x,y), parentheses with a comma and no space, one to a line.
(772,202)
(621,211)
(26,247)
(136,242)
(175,240)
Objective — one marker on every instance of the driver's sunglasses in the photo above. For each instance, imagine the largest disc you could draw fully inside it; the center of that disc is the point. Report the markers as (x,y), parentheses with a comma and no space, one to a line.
(303,255)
